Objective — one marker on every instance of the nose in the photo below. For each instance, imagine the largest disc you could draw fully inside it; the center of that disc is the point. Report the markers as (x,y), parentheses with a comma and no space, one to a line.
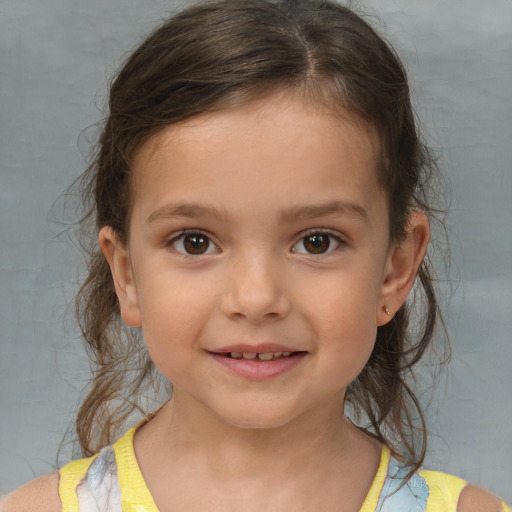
(256,290)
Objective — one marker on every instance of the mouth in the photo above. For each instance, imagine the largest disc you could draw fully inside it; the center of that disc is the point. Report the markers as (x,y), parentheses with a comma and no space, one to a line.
(248,363)
(259,356)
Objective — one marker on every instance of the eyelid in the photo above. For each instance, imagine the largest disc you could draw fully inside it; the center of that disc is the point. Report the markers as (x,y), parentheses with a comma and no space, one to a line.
(176,236)
(336,235)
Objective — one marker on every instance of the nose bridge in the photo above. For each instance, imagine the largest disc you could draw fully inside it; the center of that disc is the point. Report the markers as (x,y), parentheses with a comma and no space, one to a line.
(256,289)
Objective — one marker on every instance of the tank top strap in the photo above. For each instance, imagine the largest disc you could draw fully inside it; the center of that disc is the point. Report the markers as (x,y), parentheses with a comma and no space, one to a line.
(403,492)
(135,495)
(372,498)
(70,476)
(111,480)
(444,491)
(395,490)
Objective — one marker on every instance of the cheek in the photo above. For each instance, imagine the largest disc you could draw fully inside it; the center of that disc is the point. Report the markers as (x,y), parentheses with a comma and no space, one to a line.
(350,347)
(173,316)
(346,303)
(171,300)
(350,337)
(344,321)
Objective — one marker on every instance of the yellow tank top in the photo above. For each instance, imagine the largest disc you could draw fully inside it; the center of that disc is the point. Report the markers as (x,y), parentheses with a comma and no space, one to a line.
(114,477)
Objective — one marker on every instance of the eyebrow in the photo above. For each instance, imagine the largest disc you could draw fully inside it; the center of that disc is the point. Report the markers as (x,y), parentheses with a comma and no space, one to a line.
(190,210)
(338,208)
(194,211)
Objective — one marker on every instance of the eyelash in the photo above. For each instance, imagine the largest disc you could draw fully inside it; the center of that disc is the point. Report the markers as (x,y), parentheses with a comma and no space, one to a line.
(339,242)
(198,233)
(320,233)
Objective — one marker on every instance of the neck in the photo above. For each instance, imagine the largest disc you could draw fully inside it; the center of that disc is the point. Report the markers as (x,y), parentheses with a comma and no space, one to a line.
(185,430)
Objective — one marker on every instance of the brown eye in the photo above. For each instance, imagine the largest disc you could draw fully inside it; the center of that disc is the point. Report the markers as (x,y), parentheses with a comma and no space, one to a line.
(193,244)
(317,243)
(196,243)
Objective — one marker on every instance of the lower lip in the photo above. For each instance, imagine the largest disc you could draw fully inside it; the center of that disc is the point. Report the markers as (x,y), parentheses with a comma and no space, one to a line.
(259,370)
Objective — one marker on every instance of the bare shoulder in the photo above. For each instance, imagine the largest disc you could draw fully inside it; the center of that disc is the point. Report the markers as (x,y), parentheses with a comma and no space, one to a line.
(476,499)
(41,495)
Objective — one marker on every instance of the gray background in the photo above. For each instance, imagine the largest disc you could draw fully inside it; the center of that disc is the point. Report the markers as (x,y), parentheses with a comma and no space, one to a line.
(55,59)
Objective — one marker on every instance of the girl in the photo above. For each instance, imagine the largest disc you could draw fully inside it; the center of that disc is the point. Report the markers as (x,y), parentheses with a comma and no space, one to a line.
(260,195)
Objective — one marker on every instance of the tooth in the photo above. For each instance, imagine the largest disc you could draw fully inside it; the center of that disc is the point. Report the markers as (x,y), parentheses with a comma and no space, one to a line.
(236,355)
(278,354)
(267,356)
(286,354)
(249,355)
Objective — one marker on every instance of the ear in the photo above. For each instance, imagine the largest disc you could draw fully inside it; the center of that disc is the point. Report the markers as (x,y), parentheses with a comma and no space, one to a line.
(118,258)
(403,262)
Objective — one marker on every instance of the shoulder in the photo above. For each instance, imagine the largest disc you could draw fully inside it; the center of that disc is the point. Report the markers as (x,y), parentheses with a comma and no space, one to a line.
(39,495)
(475,499)
(453,493)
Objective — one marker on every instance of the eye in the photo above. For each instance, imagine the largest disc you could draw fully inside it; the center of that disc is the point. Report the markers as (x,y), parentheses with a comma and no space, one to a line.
(195,244)
(317,242)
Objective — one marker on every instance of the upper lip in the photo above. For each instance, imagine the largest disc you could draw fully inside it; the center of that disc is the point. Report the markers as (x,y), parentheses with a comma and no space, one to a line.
(260,348)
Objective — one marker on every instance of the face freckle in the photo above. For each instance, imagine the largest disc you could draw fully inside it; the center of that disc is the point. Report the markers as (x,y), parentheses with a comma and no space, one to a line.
(286,198)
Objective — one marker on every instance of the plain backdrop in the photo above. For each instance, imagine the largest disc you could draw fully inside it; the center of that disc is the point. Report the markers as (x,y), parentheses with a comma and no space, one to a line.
(55,59)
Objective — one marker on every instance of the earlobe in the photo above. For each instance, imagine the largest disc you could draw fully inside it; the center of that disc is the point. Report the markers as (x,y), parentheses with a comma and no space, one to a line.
(118,258)
(403,262)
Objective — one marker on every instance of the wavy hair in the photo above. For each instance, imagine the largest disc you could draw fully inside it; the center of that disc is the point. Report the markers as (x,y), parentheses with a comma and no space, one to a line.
(219,55)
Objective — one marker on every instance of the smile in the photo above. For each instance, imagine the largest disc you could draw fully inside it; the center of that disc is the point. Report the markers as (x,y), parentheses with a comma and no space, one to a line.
(259,365)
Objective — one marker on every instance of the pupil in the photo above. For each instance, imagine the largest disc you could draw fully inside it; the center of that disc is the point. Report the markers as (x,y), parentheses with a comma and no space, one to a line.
(196,244)
(317,244)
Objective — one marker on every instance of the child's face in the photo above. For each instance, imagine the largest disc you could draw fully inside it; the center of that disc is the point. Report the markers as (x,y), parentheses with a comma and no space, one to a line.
(258,230)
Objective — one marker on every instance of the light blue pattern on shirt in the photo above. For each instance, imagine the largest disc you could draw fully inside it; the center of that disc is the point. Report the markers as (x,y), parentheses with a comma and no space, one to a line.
(397,496)
(99,491)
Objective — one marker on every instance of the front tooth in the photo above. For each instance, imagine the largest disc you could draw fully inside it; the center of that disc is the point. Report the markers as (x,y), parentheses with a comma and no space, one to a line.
(236,355)
(249,355)
(267,356)
(286,354)
(278,354)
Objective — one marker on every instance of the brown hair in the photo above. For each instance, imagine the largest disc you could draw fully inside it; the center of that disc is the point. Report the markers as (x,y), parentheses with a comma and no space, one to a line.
(218,55)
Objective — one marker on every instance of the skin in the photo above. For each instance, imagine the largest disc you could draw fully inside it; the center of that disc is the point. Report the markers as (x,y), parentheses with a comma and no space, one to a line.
(256,283)
(256,182)
(266,175)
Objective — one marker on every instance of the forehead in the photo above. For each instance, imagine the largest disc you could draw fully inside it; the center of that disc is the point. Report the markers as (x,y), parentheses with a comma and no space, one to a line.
(282,146)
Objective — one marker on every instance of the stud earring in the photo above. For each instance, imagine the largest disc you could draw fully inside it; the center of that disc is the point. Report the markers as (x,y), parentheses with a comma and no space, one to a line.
(386,309)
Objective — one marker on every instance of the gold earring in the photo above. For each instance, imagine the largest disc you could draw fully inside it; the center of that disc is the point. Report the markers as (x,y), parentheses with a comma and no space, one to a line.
(386,309)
